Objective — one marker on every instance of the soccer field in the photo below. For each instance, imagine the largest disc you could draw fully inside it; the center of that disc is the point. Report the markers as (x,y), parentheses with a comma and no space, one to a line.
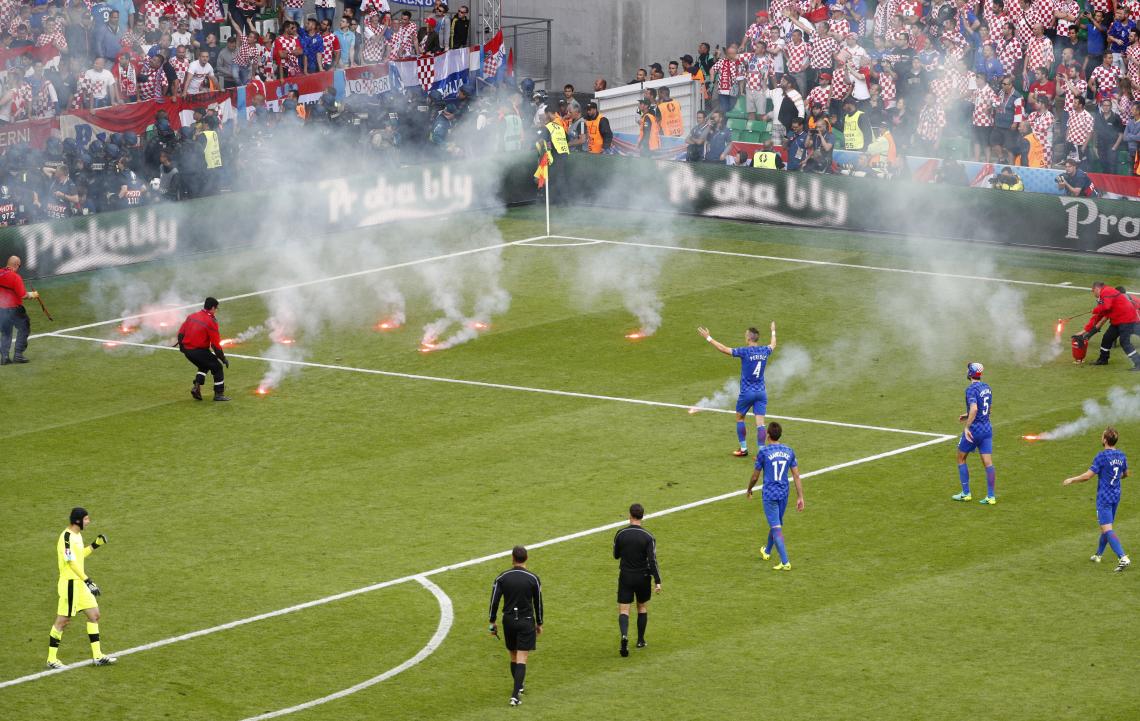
(327,548)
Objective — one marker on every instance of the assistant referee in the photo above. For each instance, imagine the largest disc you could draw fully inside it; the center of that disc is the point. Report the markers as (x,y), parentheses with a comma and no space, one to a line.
(521,593)
(636,548)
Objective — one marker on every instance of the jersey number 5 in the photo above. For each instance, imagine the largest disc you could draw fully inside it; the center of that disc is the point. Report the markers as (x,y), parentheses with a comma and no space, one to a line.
(985,405)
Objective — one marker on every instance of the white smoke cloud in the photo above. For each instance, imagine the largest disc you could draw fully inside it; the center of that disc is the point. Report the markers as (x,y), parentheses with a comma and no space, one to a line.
(725,398)
(1122,405)
(631,272)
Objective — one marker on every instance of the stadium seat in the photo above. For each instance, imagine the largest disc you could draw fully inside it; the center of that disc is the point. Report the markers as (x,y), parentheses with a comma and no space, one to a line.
(745,136)
(736,124)
(758,126)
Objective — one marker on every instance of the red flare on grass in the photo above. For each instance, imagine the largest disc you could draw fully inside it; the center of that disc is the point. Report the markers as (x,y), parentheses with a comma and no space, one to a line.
(694,411)
(110,344)
(227,342)
(262,391)
(388,324)
(637,335)
(127,329)
(286,341)
(428,347)
(1031,438)
(478,325)
(163,324)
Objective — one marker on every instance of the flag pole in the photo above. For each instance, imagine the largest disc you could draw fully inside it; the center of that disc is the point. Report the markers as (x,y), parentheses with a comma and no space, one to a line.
(548,174)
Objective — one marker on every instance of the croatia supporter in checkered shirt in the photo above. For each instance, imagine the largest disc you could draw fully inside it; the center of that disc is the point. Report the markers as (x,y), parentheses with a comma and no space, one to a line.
(820,95)
(887,89)
(404,41)
(838,24)
(181,64)
(1079,129)
(1009,51)
(1106,75)
(758,75)
(1132,59)
(286,50)
(757,30)
(1041,120)
(248,52)
(823,48)
(1072,85)
(841,85)
(796,53)
(1070,11)
(375,39)
(156,84)
(931,121)
(984,101)
(54,37)
(152,11)
(331,46)
(22,101)
(1039,51)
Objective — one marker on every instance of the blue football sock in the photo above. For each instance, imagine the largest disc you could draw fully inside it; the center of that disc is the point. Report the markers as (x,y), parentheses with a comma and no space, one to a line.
(990,480)
(778,536)
(761,435)
(964,477)
(1101,544)
(1115,543)
(741,434)
(768,543)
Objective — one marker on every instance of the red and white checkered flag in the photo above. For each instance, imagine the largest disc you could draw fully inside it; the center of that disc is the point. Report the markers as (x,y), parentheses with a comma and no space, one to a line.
(425,71)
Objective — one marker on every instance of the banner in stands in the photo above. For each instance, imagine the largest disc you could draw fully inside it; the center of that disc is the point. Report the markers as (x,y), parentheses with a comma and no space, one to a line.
(85,124)
(862,204)
(169,229)
(671,148)
(446,72)
(34,133)
(367,80)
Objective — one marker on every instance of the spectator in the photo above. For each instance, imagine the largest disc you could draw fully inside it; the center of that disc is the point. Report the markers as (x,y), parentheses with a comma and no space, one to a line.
(1132,136)
(200,76)
(674,68)
(698,136)
(1096,36)
(1109,132)
(227,74)
(405,44)
(429,38)
(347,41)
(106,38)
(799,147)
(599,84)
(719,139)
(639,77)
(648,129)
(103,90)
(791,107)
(80,34)
(1079,131)
(442,24)
(983,117)
(126,76)
(331,51)
(1118,35)
(460,28)
(287,52)
(312,46)
(326,10)
(758,80)
(725,76)
(182,36)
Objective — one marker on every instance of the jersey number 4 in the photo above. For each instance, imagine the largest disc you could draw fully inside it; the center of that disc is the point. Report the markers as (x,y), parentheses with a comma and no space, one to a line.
(758,370)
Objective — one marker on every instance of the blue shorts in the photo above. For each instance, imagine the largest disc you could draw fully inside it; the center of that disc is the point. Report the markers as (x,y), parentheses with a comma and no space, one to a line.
(1106,514)
(981,445)
(755,402)
(774,511)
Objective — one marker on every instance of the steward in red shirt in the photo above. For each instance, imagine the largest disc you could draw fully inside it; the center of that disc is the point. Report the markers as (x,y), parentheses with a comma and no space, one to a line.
(13,315)
(1122,315)
(201,343)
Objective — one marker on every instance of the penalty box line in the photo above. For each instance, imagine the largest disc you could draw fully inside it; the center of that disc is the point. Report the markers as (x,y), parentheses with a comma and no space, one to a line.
(291,286)
(830,263)
(502,386)
(456,566)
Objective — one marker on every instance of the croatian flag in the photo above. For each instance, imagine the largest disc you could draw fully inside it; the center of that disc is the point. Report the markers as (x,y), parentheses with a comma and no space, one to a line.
(494,55)
(445,72)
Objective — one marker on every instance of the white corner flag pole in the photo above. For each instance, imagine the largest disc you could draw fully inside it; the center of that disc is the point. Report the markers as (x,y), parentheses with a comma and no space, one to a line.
(548,174)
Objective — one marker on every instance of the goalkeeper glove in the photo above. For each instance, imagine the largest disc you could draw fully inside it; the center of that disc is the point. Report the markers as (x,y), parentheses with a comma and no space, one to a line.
(100,540)
(93,588)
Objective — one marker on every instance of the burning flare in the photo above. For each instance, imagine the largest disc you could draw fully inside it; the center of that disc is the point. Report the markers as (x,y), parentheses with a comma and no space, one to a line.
(227,342)
(1033,437)
(262,391)
(637,335)
(127,329)
(478,325)
(388,324)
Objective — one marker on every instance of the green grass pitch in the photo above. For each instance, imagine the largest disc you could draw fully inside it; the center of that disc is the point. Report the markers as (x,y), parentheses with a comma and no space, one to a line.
(901,605)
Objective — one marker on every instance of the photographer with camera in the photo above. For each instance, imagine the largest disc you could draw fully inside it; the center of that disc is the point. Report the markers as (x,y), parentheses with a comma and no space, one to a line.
(1006,180)
(821,141)
(1076,182)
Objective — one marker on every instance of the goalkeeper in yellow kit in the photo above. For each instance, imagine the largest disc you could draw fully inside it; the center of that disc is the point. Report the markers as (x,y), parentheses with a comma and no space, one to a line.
(77,591)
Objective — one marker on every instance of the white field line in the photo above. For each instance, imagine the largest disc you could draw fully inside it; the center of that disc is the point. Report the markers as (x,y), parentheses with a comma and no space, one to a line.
(455,566)
(501,386)
(533,244)
(833,264)
(446,618)
(291,286)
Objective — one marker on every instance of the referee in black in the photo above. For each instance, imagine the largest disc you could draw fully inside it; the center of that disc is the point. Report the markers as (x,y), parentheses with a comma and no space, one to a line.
(521,593)
(636,548)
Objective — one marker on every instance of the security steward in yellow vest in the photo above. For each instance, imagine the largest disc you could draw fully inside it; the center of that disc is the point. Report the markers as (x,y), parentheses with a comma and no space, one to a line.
(599,137)
(768,160)
(856,127)
(213,154)
(648,128)
(552,138)
(672,124)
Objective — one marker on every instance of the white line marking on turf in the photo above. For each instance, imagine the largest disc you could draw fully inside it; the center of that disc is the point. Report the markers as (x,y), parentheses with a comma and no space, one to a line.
(834,264)
(446,617)
(291,286)
(455,566)
(502,386)
(533,244)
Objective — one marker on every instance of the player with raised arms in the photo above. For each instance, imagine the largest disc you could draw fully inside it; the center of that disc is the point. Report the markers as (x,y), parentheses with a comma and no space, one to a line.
(753,393)
(1110,467)
(978,435)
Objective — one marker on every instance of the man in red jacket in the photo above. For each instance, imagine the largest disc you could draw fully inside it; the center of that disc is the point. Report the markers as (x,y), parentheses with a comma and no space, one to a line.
(201,343)
(1122,316)
(13,315)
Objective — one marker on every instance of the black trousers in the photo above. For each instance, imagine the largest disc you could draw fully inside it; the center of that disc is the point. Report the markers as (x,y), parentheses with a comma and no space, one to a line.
(1123,332)
(206,362)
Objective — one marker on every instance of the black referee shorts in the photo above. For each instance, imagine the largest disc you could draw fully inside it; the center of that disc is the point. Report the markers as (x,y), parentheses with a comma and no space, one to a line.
(519,633)
(206,362)
(630,587)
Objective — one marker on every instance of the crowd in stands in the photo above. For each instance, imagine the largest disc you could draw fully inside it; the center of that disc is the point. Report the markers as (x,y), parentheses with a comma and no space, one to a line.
(61,55)
(1014,82)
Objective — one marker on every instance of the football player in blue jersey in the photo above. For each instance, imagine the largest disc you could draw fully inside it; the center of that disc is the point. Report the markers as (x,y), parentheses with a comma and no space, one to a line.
(978,435)
(777,462)
(753,393)
(1110,467)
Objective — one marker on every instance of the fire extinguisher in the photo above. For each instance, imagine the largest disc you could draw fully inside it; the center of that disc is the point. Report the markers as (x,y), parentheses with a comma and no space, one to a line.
(1080,348)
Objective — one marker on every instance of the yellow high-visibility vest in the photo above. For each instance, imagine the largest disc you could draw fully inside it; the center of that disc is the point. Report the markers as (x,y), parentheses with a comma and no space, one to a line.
(764,159)
(852,134)
(213,149)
